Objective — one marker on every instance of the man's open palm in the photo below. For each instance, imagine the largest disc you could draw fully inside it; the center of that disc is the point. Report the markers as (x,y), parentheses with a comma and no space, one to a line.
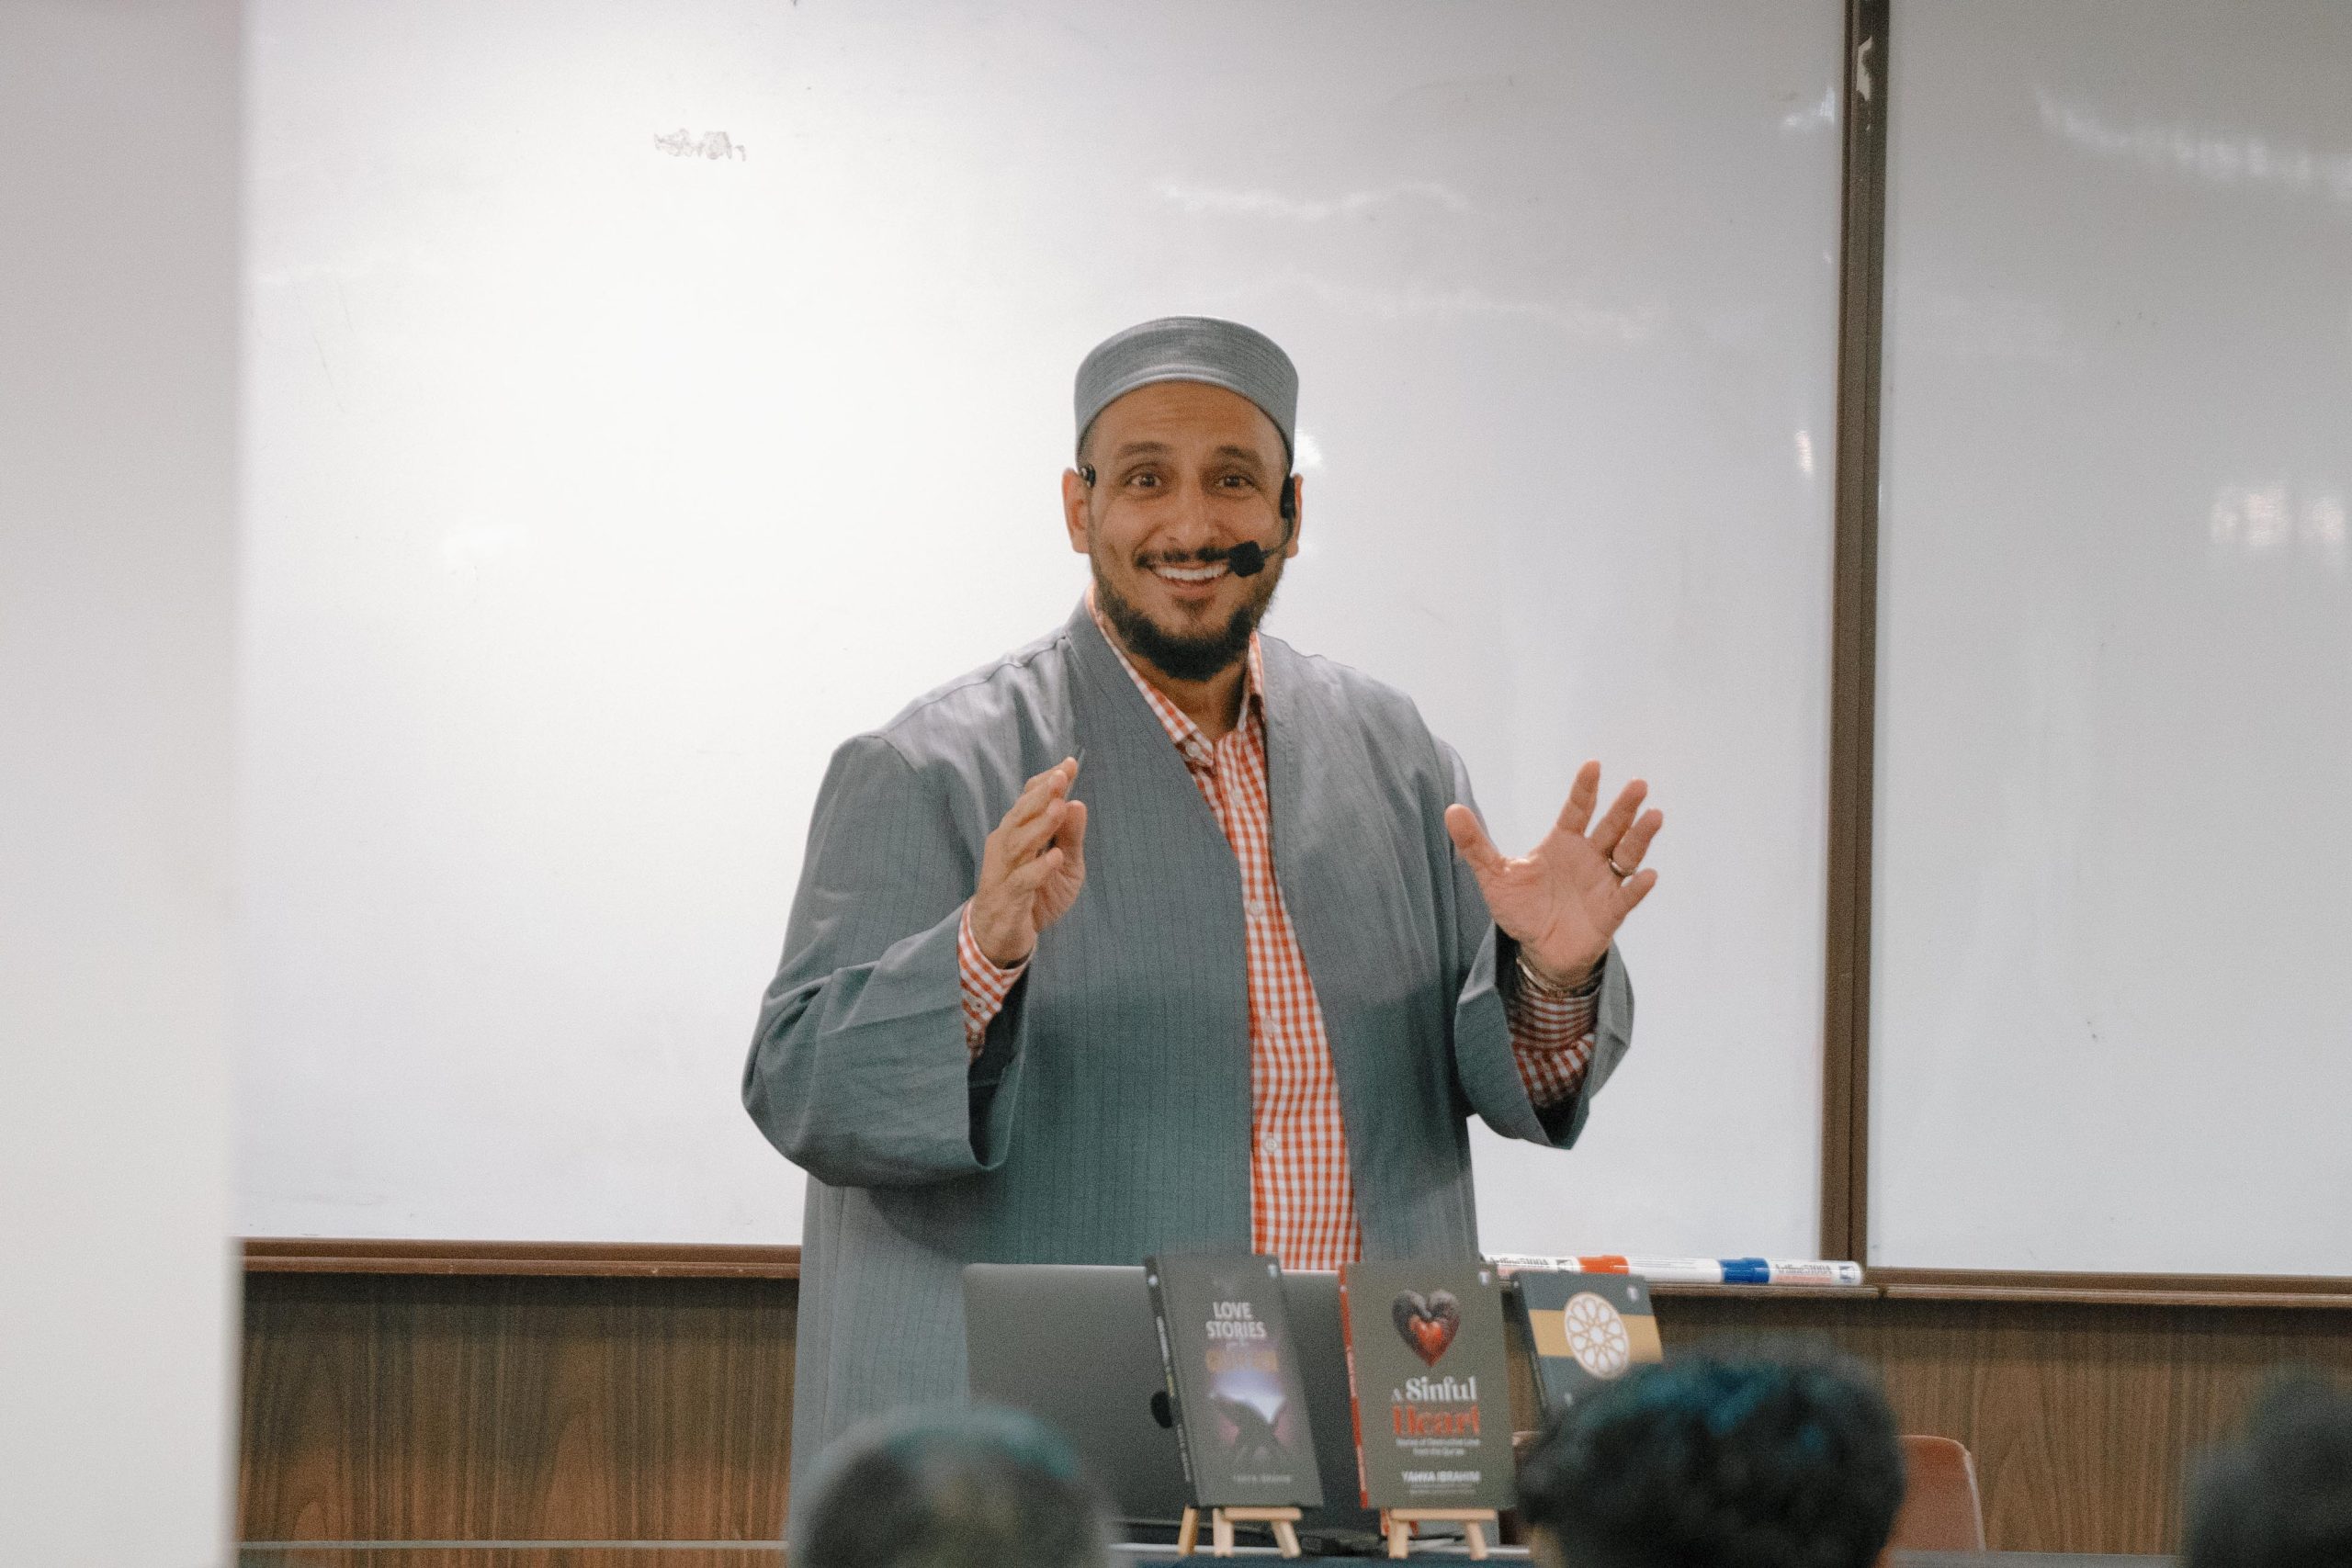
(1564,900)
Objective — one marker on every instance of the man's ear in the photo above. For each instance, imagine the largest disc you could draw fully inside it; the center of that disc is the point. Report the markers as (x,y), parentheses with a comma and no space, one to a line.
(1074,510)
(1297,483)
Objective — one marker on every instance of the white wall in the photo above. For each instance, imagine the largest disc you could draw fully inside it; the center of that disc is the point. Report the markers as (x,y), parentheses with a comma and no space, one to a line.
(118,396)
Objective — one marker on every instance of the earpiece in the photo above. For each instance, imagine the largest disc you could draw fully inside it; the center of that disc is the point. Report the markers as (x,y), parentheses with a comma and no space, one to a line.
(1287,506)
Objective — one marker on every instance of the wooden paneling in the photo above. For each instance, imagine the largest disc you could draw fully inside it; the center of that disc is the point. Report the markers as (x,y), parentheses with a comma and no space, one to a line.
(422,1408)
(382,1406)
(2083,1416)
(598,1554)
(577,1259)
(582,1555)
(2116,1289)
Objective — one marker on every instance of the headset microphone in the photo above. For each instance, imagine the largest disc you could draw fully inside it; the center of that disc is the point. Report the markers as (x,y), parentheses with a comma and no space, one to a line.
(1247,559)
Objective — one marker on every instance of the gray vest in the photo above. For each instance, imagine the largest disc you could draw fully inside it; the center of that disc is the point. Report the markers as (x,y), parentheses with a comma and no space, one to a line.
(1107,1115)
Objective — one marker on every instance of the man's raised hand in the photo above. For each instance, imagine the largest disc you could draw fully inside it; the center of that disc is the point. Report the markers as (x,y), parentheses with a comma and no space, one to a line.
(1564,900)
(1031,867)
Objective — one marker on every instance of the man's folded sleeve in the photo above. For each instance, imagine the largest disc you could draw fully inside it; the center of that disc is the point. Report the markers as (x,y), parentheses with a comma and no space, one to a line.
(859,1071)
(1551,1036)
(987,985)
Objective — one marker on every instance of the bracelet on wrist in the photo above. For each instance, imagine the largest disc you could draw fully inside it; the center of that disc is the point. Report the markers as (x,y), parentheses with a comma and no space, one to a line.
(1541,986)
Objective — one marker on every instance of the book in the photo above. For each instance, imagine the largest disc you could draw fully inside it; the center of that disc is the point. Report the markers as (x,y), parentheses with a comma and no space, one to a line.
(1234,1380)
(1429,1380)
(1587,1330)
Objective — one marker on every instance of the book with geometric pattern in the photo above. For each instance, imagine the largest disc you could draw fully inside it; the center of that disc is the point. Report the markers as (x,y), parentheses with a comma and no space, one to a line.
(1587,1330)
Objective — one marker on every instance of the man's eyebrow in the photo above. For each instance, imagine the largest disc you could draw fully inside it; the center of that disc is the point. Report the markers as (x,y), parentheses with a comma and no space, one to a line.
(1229,453)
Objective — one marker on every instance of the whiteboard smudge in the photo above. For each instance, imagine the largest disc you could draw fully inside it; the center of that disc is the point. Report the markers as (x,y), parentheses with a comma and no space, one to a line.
(711,145)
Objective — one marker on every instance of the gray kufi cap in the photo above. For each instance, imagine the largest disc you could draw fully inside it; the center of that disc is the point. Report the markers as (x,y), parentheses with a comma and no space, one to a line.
(1191,349)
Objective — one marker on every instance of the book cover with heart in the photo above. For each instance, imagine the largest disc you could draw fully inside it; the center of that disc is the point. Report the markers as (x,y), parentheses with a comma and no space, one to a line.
(1430,1380)
(1587,1330)
(1233,1380)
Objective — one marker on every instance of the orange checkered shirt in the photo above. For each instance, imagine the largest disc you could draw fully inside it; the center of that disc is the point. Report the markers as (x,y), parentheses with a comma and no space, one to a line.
(1302,1202)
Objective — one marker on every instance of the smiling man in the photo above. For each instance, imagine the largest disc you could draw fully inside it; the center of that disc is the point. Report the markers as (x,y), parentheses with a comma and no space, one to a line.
(1236,984)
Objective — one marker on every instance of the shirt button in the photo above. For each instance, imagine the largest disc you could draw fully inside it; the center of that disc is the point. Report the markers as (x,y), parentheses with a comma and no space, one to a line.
(1274,1143)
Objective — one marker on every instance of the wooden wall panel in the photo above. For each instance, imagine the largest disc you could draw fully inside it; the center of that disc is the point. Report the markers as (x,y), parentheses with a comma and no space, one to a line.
(764,1555)
(385,1408)
(2083,1418)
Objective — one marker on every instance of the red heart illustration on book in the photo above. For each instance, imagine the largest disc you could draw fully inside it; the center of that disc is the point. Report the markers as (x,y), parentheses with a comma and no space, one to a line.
(1428,1323)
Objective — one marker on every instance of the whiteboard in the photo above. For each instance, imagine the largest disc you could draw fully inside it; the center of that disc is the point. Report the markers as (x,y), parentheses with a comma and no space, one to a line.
(2114,899)
(645,398)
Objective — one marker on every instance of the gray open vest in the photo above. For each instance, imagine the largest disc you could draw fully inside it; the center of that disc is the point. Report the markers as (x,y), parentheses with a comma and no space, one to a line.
(1108,1114)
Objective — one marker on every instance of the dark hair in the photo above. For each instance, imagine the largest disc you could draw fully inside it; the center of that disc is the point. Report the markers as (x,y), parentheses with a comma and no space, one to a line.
(2281,1498)
(1714,1461)
(948,1489)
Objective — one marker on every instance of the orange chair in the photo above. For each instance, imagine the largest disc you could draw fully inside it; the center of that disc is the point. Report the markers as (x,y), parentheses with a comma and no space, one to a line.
(1942,1509)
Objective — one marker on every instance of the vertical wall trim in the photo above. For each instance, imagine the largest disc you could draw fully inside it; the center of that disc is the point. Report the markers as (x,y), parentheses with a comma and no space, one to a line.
(1845,1121)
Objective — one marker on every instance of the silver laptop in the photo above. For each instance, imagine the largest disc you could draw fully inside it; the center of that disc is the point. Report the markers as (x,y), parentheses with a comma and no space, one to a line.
(1073,1344)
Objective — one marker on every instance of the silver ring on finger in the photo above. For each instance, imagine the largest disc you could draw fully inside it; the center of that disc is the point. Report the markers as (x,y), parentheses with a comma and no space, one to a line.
(1621,870)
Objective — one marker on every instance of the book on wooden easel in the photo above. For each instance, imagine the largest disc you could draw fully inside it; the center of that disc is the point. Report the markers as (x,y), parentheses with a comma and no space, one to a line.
(1587,1330)
(1233,1378)
(1429,1380)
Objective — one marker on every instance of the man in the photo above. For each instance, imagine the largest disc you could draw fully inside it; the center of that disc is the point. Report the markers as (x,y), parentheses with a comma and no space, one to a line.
(1232,983)
(1719,1462)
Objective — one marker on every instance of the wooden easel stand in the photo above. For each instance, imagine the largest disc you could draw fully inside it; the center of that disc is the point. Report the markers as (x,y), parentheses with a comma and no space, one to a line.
(1221,1523)
(1397,1524)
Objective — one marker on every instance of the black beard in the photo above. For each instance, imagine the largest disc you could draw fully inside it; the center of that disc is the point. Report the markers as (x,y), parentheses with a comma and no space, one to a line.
(1182,657)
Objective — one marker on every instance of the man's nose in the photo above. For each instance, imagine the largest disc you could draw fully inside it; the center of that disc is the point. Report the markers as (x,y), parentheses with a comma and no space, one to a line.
(1194,526)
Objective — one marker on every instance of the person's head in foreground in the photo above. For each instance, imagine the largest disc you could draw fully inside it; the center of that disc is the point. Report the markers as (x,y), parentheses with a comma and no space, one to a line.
(948,1489)
(1719,1461)
(2282,1497)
